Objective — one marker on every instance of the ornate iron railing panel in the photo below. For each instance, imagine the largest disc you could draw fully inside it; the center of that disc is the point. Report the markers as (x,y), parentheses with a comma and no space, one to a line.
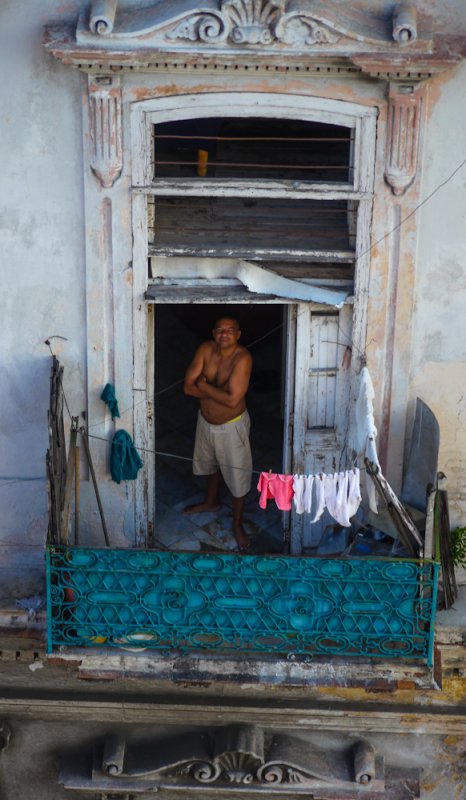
(227,603)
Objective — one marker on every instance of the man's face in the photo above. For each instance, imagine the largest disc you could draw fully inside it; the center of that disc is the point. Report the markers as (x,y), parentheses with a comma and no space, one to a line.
(226,332)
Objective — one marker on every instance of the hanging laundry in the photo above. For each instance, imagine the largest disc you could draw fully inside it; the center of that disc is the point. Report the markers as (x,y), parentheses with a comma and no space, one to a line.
(330,494)
(298,493)
(302,488)
(338,492)
(320,497)
(354,491)
(342,500)
(342,495)
(125,461)
(365,432)
(308,484)
(109,397)
(276,487)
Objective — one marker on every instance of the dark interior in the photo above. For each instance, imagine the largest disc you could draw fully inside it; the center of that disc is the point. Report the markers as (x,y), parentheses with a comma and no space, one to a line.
(258,148)
(179,329)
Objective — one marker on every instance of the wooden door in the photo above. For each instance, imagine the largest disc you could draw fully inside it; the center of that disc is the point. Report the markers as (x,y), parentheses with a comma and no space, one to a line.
(321,406)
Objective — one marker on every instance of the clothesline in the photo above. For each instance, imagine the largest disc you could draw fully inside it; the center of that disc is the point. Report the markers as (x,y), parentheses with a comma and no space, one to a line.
(183,458)
(252,344)
(338,492)
(249,345)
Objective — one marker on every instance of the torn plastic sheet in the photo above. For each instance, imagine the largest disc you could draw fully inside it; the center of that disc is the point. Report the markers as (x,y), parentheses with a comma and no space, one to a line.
(263,281)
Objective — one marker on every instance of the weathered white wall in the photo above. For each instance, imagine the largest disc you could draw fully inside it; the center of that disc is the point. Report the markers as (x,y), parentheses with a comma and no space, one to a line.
(43,286)
(438,373)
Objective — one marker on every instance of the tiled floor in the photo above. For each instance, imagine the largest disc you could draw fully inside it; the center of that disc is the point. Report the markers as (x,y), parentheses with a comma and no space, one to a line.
(177,487)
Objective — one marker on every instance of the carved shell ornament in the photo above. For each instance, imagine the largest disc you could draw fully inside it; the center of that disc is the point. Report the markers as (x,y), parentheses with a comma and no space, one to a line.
(229,767)
(253,22)
(272,24)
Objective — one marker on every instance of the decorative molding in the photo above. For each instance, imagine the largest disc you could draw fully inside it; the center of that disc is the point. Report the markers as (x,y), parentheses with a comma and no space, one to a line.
(405,23)
(306,31)
(102,16)
(255,23)
(259,32)
(105,128)
(238,759)
(403,128)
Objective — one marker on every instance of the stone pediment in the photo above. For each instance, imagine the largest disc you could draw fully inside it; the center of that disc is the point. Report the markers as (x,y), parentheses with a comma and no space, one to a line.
(235,760)
(251,32)
(252,24)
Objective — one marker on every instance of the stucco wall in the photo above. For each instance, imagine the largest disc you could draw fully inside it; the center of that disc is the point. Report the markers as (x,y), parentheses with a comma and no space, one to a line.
(438,372)
(42,287)
(43,275)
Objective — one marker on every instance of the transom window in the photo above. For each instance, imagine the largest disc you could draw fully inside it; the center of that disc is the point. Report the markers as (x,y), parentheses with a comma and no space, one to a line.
(253,148)
(253,188)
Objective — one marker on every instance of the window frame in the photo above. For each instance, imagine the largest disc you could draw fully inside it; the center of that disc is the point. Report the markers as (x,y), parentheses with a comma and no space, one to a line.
(144,114)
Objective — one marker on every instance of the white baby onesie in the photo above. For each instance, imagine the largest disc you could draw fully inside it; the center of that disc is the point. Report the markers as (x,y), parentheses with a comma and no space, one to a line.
(354,492)
(298,497)
(319,483)
(330,490)
(341,510)
(308,484)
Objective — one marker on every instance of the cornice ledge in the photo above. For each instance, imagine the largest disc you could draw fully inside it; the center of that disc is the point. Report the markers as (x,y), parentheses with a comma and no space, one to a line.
(229,28)
(401,67)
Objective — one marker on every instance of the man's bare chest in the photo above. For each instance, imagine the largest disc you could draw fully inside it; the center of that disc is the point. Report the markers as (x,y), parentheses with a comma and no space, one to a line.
(218,371)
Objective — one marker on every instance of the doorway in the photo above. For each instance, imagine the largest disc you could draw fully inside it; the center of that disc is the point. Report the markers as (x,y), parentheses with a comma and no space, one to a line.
(179,330)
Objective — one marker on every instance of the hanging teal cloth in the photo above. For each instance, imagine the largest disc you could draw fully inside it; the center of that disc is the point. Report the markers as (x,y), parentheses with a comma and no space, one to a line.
(108,396)
(124,459)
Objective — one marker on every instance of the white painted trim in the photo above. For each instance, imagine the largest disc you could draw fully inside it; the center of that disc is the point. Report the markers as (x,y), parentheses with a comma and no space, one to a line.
(276,104)
(145,113)
(277,253)
(237,104)
(218,187)
(141,381)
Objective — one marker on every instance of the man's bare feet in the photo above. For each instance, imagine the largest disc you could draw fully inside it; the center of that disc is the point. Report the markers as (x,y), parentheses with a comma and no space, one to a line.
(241,537)
(200,508)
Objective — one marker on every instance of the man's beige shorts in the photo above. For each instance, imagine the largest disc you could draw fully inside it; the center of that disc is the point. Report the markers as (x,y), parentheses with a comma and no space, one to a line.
(225,448)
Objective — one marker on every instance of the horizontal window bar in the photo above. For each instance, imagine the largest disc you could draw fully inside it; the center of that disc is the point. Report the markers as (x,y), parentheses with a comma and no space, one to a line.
(200,137)
(244,188)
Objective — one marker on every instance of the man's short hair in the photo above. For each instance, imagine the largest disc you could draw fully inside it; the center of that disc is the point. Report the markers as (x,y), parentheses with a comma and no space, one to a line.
(228,316)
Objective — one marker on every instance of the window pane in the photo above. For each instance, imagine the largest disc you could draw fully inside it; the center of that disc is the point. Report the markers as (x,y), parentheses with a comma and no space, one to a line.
(253,148)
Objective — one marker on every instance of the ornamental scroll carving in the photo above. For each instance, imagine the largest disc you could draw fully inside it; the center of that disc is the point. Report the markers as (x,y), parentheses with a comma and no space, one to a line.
(234,759)
(106,151)
(254,22)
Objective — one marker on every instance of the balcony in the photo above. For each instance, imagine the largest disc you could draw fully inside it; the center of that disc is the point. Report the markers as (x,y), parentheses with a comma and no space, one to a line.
(241,605)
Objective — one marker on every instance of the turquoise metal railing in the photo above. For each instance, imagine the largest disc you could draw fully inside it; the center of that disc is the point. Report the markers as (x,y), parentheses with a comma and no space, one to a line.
(282,605)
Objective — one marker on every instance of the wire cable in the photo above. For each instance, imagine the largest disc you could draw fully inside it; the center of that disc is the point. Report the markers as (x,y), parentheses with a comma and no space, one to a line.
(278,327)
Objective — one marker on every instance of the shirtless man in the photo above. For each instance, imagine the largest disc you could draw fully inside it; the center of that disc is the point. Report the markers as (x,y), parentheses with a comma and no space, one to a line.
(219,376)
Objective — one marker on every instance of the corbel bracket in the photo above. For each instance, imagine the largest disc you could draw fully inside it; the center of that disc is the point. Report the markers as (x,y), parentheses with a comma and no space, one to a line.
(105,128)
(403,128)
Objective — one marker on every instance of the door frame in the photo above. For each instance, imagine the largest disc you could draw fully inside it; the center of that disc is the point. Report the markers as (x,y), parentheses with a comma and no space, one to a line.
(287,375)
(194,105)
(328,441)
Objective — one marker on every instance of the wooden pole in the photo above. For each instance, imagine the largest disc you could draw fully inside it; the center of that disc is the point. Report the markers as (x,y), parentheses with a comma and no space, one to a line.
(76,494)
(69,481)
(83,433)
